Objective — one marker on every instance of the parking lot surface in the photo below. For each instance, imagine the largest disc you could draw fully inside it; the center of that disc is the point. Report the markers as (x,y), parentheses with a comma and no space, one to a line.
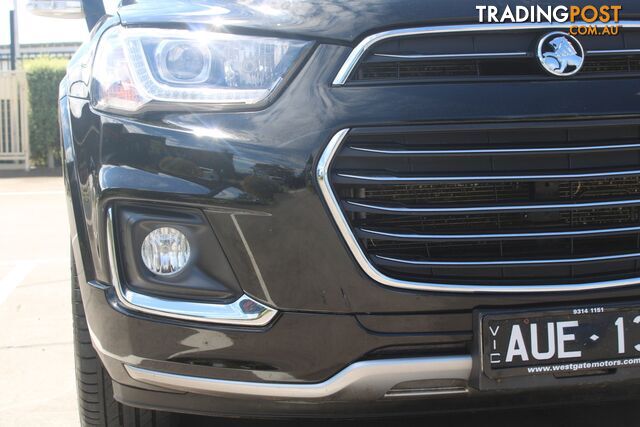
(37,385)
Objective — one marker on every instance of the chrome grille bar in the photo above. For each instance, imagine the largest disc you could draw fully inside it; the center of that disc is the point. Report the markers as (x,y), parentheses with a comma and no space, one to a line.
(494,151)
(375,234)
(495,54)
(614,52)
(343,177)
(457,55)
(404,210)
(500,263)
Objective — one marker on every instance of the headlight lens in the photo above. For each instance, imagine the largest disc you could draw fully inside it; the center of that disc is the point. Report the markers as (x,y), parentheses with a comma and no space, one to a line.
(181,62)
(136,67)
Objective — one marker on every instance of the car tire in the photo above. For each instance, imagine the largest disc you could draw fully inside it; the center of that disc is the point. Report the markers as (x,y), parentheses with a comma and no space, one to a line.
(96,403)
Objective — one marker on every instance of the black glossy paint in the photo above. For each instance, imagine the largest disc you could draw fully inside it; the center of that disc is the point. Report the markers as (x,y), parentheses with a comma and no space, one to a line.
(340,21)
(257,167)
(251,174)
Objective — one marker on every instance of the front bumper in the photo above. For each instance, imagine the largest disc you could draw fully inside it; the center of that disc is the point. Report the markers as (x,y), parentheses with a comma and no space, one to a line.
(302,365)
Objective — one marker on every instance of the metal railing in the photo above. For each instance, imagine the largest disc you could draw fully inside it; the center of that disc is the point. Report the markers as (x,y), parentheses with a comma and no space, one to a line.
(14,129)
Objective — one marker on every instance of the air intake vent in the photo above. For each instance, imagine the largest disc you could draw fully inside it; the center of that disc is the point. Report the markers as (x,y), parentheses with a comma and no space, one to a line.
(519,205)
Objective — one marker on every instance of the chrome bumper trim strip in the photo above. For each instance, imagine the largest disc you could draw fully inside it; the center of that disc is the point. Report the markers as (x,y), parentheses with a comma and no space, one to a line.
(361,381)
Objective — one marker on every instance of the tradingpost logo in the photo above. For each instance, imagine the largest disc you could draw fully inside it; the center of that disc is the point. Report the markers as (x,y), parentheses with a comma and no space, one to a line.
(589,20)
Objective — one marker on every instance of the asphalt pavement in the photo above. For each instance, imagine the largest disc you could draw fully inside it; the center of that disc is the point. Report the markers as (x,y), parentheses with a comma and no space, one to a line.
(37,385)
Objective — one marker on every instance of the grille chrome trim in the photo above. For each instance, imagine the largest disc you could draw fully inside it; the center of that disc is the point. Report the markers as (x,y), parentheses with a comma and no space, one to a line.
(497,54)
(614,52)
(373,208)
(507,262)
(323,176)
(373,234)
(498,150)
(363,47)
(457,55)
(427,179)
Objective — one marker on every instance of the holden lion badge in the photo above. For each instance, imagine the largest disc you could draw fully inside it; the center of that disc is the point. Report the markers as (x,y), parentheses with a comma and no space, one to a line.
(560,54)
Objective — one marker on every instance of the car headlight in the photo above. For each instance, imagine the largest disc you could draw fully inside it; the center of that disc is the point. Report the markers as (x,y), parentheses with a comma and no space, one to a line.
(145,68)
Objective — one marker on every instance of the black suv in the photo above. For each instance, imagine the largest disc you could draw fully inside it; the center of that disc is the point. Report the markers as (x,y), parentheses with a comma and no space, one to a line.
(341,208)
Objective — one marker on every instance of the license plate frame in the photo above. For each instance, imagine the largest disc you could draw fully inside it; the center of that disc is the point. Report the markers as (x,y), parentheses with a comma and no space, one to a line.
(594,317)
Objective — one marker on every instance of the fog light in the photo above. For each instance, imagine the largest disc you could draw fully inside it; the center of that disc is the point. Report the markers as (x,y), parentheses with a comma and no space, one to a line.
(165,251)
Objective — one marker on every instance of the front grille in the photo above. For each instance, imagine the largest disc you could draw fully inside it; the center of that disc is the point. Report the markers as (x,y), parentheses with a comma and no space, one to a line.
(501,204)
(490,55)
(487,68)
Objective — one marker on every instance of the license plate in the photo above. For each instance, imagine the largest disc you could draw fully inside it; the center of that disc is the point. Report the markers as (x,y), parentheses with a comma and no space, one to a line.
(560,342)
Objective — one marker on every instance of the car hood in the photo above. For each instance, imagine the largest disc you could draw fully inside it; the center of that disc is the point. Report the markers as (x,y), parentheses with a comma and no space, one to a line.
(341,21)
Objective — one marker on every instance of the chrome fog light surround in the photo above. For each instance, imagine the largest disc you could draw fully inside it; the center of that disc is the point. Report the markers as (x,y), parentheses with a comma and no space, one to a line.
(243,312)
